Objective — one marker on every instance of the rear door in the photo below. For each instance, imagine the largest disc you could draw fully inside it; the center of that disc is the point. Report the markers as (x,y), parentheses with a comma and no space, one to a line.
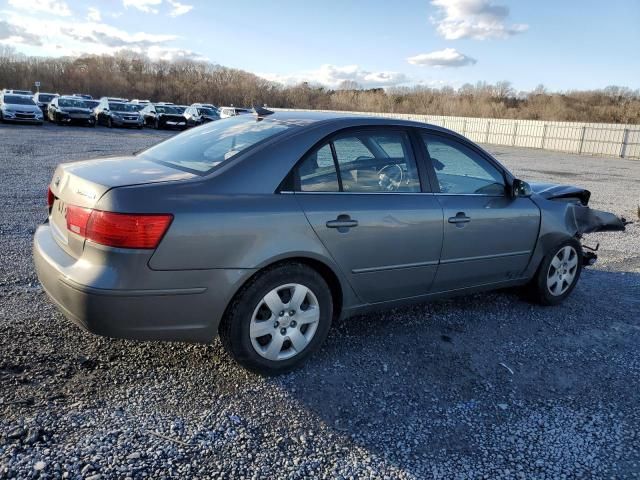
(365,197)
(488,235)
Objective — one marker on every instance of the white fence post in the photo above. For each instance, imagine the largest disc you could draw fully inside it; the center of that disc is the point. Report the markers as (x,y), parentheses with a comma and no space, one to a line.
(584,129)
(625,139)
(544,135)
(486,134)
(515,133)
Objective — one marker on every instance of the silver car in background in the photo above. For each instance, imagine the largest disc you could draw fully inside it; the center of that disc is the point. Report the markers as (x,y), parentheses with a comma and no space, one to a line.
(265,228)
(19,109)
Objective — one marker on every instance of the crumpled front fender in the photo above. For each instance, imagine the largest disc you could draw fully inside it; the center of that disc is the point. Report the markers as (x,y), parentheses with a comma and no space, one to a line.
(587,220)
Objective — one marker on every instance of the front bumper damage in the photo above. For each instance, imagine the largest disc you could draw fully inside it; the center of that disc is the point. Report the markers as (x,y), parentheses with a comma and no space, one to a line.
(579,218)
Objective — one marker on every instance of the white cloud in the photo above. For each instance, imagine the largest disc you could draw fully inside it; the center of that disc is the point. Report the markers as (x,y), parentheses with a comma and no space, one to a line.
(449,57)
(146,6)
(52,7)
(94,15)
(332,76)
(478,19)
(56,36)
(179,8)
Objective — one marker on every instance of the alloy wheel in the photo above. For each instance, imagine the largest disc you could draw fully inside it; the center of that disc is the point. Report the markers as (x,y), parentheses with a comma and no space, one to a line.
(284,322)
(562,270)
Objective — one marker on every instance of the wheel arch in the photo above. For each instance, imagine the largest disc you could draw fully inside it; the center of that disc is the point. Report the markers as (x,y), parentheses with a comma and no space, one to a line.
(327,272)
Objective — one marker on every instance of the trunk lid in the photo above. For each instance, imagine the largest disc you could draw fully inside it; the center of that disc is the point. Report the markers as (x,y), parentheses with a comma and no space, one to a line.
(82,184)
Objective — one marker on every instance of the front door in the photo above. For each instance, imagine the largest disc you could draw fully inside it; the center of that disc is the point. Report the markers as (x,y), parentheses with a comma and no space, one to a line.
(489,236)
(361,193)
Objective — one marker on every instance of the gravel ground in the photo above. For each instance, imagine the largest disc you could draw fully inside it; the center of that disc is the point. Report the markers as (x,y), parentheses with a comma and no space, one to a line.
(485,386)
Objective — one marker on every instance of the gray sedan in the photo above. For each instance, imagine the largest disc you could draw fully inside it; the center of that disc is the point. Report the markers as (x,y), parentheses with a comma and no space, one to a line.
(265,228)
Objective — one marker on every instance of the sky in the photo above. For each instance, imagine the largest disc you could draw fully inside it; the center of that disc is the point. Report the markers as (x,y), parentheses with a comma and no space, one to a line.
(562,44)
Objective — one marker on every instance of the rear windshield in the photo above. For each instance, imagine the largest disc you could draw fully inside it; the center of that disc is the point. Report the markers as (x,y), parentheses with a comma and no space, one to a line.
(122,107)
(71,102)
(206,147)
(18,100)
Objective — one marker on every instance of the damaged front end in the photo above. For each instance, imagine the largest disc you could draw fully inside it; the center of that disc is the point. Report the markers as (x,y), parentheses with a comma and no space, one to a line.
(579,219)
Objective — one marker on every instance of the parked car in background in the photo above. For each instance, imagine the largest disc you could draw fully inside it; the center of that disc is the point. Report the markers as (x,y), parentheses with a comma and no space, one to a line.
(83,95)
(10,91)
(43,100)
(69,109)
(197,114)
(226,112)
(115,113)
(180,108)
(163,115)
(20,109)
(267,228)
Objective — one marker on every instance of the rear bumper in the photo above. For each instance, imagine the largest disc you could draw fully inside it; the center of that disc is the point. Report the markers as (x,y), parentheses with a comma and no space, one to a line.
(187,308)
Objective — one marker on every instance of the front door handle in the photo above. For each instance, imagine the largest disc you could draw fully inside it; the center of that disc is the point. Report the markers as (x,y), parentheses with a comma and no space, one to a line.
(460,219)
(342,223)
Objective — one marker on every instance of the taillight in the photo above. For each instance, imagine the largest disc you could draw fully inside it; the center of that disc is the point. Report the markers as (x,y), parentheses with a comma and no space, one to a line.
(50,198)
(77,218)
(122,230)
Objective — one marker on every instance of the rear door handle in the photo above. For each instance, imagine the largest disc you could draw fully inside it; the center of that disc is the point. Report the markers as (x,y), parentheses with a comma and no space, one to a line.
(459,219)
(342,223)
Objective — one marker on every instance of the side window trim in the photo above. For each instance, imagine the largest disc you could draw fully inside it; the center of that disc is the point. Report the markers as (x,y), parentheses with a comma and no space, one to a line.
(450,138)
(329,139)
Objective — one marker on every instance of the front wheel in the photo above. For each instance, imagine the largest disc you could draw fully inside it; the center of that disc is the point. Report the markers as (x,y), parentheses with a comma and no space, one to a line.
(558,274)
(109,122)
(278,319)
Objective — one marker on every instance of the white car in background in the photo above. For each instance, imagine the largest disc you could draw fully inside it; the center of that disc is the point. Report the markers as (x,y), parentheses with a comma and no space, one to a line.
(226,112)
(20,109)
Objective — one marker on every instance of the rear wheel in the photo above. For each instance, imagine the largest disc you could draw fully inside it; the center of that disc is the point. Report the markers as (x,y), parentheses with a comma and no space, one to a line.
(558,274)
(278,319)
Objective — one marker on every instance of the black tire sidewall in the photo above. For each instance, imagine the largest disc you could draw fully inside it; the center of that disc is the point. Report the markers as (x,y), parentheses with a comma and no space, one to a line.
(235,328)
(541,290)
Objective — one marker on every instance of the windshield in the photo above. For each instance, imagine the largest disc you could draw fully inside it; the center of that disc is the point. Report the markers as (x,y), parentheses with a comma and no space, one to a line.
(137,106)
(71,102)
(166,109)
(207,111)
(92,103)
(122,107)
(18,100)
(204,148)
(45,97)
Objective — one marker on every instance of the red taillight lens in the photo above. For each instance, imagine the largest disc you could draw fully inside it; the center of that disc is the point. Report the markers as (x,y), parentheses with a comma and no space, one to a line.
(77,218)
(50,197)
(122,230)
(125,230)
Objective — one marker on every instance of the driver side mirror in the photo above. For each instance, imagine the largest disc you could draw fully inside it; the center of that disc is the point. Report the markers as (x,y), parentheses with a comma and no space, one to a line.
(520,188)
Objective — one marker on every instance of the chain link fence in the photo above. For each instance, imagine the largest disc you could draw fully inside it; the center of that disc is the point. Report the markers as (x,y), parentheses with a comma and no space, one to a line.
(606,139)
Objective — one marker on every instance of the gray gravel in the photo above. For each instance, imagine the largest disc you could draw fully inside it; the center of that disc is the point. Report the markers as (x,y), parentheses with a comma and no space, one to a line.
(421,392)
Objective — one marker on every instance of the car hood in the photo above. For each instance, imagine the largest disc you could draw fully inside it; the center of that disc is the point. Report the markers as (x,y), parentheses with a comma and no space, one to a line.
(552,191)
(16,107)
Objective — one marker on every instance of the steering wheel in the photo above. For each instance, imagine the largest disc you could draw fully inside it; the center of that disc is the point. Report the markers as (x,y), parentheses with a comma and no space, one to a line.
(390,177)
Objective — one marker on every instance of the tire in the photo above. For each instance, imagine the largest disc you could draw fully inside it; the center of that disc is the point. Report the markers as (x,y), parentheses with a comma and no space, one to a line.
(552,285)
(248,316)
(156,124)
(109,123)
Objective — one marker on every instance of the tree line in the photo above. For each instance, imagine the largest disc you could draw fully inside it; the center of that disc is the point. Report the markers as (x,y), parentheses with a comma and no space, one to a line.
(132,75)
